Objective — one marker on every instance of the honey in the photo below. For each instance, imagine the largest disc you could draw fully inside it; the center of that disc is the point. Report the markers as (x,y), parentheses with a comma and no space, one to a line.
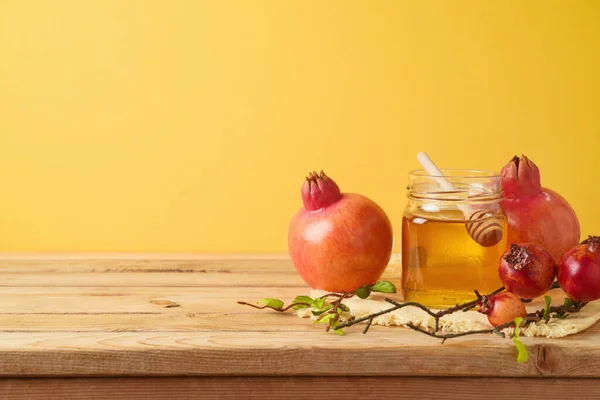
(442,261)
(443,265)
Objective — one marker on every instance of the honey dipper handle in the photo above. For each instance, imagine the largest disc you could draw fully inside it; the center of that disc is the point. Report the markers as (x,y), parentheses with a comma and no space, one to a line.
(487,232)
(433,170)
(444,183)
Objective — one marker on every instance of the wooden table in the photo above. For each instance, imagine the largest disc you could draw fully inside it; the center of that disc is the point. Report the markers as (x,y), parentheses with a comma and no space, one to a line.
(140,326)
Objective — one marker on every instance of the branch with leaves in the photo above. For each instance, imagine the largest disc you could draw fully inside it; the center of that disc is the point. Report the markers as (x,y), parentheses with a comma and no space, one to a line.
(323,308)
(568,307)
(329,309)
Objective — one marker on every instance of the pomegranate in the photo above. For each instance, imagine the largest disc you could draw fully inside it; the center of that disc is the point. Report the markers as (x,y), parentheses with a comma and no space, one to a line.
(536,214)
(338,241)
(527,270)
(579,271)
(502,308)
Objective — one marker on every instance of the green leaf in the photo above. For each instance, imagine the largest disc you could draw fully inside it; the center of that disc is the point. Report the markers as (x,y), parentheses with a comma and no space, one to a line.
(384,287)
(363,292)
(518,321)
(272,303)
(344,308)
(302,299)
(328,317)
(318,303)
(568,302)
(548,301)
(522,353)
(299,306)
(339,332)
(319,312)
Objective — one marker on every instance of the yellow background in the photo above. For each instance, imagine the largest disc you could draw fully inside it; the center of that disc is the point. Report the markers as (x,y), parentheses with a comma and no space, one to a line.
(189,125)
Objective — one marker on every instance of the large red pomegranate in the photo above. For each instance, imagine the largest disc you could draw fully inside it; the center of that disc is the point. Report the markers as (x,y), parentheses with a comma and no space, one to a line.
(536,214)
(338,241)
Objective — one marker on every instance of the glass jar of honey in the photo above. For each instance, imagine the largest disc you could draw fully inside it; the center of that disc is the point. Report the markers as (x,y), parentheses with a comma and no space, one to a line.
(452,239)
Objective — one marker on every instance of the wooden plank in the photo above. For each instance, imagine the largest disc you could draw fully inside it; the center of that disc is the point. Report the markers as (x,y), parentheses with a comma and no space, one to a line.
(291,353)
(298,387)
(147,308)
(156,322)
(164,279)
(144,263)
(77,300)
(178,316)
(178,263)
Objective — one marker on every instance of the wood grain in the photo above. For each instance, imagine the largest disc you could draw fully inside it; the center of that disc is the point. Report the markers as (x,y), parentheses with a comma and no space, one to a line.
(154,322)
(142,263)
(298,387)
(124,316)
(386,351)
(117,299)
(163,279)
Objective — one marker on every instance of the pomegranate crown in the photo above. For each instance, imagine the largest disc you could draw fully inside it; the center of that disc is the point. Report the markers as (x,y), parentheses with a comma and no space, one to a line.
(518,257)
(520,177)
(592,242)
(319,191)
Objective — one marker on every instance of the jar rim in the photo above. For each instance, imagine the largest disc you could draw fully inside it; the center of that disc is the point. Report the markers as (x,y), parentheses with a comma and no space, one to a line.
(470,185)
(442,197)
(461,173)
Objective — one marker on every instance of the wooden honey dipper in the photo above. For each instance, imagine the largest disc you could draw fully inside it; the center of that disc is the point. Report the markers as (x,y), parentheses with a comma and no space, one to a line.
(485,231)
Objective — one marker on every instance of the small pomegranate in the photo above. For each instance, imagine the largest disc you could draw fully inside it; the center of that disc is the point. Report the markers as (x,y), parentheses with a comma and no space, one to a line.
(527,270)
(579,271)
(502,308)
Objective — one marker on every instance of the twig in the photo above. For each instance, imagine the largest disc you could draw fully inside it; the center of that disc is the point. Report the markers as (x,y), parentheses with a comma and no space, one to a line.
(496,330)
(273,308)
(336,307)
(377,314)
(410,303)
(535,316)
(453,335)
(345,295)
(562,309)
(436,315)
